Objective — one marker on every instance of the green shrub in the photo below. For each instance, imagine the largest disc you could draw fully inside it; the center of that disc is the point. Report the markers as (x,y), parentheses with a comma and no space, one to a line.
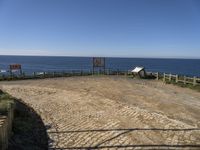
(5,101)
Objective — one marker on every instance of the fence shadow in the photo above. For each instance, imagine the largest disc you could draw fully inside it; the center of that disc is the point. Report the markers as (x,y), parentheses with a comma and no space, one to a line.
(29,131)
(100,145)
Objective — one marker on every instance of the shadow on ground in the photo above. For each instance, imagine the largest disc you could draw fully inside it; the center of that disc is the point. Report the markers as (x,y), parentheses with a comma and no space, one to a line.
(29,131)
(103,143)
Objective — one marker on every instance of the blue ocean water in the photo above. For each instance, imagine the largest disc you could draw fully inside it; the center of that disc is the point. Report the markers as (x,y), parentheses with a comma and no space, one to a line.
(189,67)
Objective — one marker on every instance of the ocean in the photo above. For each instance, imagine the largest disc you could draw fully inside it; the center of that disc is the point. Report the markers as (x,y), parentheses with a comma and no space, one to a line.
(30,64)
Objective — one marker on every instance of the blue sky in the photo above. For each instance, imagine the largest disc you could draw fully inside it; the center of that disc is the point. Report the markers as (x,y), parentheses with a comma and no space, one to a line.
(119,28)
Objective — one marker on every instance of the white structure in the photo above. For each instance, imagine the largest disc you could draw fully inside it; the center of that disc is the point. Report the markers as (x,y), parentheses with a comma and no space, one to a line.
(3,71)
(140,71)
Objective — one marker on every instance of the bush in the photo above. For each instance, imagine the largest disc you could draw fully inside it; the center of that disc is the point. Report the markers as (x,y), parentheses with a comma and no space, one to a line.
(5,101)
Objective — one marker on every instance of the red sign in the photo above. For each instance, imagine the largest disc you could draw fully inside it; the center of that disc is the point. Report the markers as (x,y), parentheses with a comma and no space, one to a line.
(15,67)
(98,62)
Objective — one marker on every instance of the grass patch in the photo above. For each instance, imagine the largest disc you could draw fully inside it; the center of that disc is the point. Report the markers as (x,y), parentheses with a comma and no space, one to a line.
(5,101)
(196,87)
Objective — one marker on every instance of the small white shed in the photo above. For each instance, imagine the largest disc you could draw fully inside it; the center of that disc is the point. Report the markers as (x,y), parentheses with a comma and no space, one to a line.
(139,71)
(3,71)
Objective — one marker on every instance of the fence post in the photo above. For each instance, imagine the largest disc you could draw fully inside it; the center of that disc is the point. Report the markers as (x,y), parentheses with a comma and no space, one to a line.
(157,76)
(10,74)
(90,72)
(44,74)
(170,77)
(164,77)
(194,81)
(63,74)
(125,73)
(184,79)
(81,73)
(176,78)
(1,134)
(23,75)
(34,74)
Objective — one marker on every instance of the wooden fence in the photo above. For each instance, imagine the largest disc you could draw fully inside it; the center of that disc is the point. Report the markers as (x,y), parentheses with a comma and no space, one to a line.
(165,77)
(6,126)
(182,79)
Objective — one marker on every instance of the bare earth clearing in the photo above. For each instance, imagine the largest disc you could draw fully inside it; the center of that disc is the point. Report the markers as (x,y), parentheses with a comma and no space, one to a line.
(112,112)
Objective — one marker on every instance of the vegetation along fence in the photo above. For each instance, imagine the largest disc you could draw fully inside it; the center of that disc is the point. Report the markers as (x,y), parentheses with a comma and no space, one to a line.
(6,119)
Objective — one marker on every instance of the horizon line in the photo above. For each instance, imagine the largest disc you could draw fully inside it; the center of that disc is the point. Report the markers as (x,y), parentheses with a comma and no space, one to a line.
(137,57)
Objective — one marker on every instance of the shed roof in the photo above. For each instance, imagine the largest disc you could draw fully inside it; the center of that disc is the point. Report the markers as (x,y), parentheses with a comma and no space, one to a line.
(137,69)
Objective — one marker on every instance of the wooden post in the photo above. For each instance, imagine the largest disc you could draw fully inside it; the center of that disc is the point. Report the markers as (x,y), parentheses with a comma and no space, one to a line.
(63,74)
(44,74)
(9,129)
(11,74)
(3,133)
(184,80)
(81,73)
(176,78)
(125,73)
(21,73)
(2,138)
(71,72)
(34,74)
(164,77)
(89,72)
(194,81)
(157,76)
(170,77)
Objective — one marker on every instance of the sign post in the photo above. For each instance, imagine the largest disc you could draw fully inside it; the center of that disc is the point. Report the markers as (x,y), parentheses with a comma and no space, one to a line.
(98,62)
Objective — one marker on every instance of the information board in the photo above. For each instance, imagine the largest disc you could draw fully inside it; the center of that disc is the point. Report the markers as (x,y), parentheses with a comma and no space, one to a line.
(15,67)
(98,62)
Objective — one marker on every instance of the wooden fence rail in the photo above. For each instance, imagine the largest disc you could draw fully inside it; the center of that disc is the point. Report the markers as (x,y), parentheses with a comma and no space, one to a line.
(183,79)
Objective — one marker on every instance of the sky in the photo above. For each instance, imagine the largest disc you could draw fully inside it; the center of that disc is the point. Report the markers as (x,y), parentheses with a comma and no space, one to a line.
(112,28)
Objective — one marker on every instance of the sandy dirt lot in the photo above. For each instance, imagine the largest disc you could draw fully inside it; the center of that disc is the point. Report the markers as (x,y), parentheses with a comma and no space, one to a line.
(112,112)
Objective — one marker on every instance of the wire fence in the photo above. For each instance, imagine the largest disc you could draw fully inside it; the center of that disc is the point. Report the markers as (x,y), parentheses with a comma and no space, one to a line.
(88,72)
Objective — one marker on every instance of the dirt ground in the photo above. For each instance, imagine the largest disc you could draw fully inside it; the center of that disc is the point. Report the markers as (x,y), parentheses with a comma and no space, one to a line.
(101,112)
